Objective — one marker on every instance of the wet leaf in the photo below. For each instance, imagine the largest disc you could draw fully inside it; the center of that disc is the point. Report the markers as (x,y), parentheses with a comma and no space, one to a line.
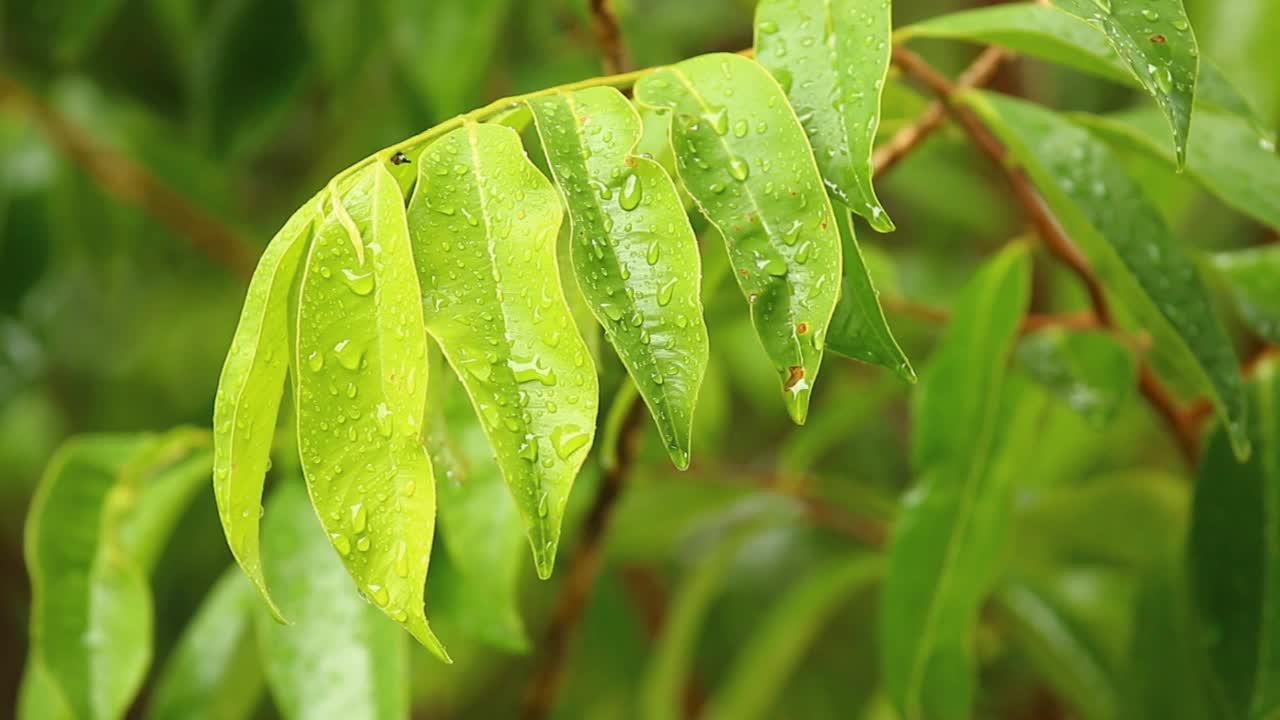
(1252,275)
(832,58)
(859,329)
(1051,34)
(484,224)
(948,535)
(341,657)
(743,156)
(1131,249)
(214,672)
(479,524)
(633,250)
(1234,558)
(249,394)
(1226,155)
(1155,40)
(361,376)
(775,650)
(1090,372)
(92,534)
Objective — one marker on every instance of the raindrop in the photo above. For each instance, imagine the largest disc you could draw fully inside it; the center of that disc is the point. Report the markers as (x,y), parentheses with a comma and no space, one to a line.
(360,283)
(359,518)
(567,439)
(629,199)
(739,169)
(349,355)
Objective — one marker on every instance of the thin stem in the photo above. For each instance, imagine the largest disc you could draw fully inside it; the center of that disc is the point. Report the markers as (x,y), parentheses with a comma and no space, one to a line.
(604,22)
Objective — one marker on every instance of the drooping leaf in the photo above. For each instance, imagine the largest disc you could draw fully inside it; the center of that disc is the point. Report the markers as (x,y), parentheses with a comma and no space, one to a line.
(947,537)
(1091,372)
(1234,559)
(633,251)
(361,376)
(92,534)
(214,672)
(1132,250)
(858,328)
(1063,656)
(1051,34)
(1252,275)
(773,652)
(484,223)
(743,156)
(249,394)
(1226,155)
(832,58)
(341,657)
(1166,679)
(1154,38)
(479,524)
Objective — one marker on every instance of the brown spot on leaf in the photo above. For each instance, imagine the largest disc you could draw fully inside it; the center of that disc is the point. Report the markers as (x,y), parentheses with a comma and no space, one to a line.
(1159,39)
(795,374)
(802,328)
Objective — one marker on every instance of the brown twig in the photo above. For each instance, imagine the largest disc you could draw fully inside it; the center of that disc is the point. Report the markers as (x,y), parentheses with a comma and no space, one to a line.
(134,184)
(583,570)
(604,23)
(1179,421)
(1033,322)
(978,74)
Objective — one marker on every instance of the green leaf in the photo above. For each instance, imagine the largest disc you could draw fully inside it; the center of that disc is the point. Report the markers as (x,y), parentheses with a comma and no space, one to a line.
(947,537)
(341,657)
(214,672)
(774,651)
(1226,155)
(484,224)
(100,515)
(1131,249)
(1166,679)
(832,58)
(858,328)
(1051,34)
(743,156)
(1155,40)
(1252,276)
(479,524)
(633,250)
(249,394)
(1233,557)
(361,374)
(1090,372)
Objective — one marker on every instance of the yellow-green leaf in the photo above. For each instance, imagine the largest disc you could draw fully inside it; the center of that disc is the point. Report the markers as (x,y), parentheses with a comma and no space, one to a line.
(484,224)
(361,376)
(832,58)
(633,251)
(744,157)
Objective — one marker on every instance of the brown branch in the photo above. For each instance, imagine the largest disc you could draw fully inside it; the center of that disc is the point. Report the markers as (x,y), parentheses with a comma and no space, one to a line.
(134,184)
(583,570)
(978,74)
(1057,242)
(1033,322)
(613,49)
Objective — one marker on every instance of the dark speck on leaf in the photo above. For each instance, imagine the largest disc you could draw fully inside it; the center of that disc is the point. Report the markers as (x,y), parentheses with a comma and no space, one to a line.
(399,159)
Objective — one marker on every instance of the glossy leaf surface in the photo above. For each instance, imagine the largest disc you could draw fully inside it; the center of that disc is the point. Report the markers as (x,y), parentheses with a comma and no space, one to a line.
(1254,278)
(214,672)
(1091,372)
(1155,40)
(89,547)
(633,250)
(832,57)
(341,657)
(484,224)
(1128,243)
(744,157)
(947,536)
(249,394)
(858,328)
(361,368)
(1226,155)
(1234,559)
